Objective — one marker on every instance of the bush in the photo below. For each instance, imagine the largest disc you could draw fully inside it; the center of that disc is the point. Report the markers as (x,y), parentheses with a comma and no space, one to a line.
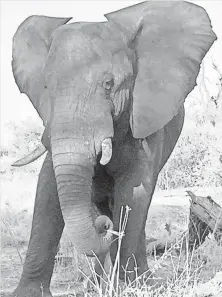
(193,163)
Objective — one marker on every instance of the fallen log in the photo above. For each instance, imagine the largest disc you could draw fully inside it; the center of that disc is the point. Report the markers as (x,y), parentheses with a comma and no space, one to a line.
(205,217)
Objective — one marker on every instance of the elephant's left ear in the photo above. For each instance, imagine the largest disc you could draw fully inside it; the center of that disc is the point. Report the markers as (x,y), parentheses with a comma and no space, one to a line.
(31,44)
(174,39)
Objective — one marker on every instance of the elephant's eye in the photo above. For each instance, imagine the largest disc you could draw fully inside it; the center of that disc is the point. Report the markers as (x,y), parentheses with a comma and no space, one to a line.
(108,84)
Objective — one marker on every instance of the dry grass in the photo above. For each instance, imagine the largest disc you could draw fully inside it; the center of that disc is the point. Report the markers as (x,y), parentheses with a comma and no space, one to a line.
(174,272)
(177,272)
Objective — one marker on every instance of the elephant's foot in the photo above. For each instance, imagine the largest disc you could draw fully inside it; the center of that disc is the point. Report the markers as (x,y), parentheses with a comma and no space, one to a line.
(31,290)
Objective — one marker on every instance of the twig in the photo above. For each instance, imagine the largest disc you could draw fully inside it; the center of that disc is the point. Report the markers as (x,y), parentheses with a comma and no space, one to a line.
(219,93)
(217,223)
(116,265)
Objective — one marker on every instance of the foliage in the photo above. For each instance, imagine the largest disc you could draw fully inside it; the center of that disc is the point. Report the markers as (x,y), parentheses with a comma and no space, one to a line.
(15,227)
(194,162)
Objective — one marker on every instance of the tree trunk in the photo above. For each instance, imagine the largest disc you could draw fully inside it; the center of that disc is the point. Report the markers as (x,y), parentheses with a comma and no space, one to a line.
(205,218)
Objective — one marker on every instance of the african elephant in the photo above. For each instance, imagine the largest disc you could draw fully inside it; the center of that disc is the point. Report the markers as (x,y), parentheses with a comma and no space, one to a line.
(110,95)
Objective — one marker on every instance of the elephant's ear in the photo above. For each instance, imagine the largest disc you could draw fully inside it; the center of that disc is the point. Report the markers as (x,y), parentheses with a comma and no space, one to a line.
(174,39)
(31,43)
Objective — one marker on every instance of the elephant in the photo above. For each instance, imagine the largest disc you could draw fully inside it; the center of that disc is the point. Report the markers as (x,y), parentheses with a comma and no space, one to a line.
(111,98)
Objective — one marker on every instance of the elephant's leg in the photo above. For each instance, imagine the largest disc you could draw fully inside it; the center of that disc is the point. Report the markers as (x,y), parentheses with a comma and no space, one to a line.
(158,147)
(124,196)
(140,253)
(47,227)
(146,170)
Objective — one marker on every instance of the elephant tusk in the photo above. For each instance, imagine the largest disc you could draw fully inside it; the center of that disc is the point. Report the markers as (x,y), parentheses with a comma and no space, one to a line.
(34,155)
(106,151)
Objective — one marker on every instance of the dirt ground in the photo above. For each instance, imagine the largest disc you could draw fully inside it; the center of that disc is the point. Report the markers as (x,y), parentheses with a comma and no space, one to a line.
(167,221)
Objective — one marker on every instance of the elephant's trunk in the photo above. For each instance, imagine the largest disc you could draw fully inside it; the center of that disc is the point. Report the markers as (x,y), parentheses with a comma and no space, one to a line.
(78,135)
(74,171)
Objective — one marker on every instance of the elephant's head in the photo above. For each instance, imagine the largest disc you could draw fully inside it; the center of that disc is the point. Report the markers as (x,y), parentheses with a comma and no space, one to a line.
(93,83)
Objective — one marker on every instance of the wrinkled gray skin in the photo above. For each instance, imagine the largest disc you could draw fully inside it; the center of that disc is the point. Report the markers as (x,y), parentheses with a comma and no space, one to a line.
(126,80)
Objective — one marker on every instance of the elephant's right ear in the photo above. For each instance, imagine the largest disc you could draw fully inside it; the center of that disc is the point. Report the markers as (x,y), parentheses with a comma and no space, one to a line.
(173,38)
(31,43)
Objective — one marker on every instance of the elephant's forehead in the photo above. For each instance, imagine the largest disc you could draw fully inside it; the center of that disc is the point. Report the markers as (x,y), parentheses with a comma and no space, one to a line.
(87,37)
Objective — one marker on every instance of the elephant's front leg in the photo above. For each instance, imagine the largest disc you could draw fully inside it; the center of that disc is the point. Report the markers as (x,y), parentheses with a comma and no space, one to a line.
(132,263)
(46,231)
(140,254)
